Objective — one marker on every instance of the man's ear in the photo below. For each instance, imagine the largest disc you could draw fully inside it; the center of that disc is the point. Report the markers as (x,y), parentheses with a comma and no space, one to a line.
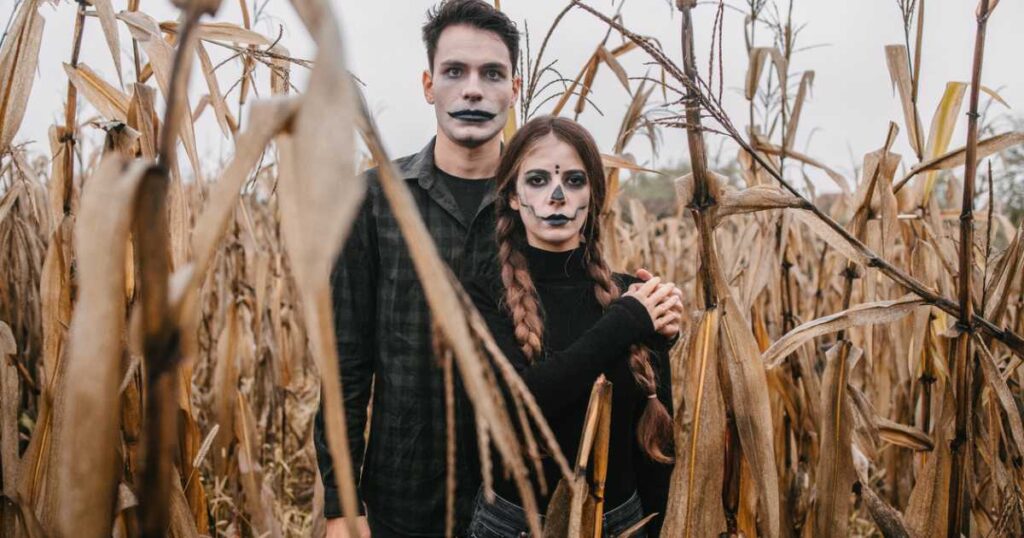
(428,86)
(517,84)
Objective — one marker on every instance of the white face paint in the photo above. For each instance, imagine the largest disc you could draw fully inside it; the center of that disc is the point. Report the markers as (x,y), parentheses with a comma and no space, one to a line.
(552,195)
(470,85)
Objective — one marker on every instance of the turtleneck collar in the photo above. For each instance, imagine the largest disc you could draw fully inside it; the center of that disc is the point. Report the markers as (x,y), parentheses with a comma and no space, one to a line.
(548,265)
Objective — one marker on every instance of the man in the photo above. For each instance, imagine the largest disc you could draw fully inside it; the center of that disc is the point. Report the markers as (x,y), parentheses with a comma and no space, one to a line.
(383,323)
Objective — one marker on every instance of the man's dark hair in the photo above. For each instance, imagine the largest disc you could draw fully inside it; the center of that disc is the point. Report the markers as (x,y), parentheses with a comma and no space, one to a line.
(475,13)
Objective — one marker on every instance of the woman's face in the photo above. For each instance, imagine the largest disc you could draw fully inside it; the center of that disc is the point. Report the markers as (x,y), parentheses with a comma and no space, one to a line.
(552,195)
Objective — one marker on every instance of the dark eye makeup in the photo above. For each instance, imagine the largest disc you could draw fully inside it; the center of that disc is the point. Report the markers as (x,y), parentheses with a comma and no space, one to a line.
(537,178)
(575,178)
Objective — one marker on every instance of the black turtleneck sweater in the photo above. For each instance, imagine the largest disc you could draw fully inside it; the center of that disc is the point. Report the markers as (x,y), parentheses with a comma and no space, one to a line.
(581,341)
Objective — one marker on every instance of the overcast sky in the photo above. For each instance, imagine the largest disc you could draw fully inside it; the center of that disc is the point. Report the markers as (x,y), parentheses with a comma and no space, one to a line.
(850,106)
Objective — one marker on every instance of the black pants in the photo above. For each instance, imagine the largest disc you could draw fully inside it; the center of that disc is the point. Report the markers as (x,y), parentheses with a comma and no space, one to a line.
(505,519)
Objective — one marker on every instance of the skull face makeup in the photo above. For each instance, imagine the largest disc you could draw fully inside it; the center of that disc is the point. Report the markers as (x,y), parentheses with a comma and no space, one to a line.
(552,195)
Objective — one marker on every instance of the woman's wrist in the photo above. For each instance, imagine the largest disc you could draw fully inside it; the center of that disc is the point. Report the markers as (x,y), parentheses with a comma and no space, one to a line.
(638,315)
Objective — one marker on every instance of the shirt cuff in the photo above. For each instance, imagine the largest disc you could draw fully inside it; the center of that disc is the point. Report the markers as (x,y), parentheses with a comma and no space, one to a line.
(637,314)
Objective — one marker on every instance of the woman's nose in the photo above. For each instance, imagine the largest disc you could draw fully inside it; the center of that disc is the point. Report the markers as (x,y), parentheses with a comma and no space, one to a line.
(558,196)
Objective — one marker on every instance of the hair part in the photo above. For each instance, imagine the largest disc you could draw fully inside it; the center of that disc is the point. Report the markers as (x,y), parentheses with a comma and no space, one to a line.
(476,13)
(654,432)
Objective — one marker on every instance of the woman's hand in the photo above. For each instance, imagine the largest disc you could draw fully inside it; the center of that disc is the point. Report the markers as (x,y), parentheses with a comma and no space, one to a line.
(663,303)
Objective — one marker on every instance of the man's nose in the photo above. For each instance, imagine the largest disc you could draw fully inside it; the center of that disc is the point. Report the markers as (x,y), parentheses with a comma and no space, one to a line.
(471,91)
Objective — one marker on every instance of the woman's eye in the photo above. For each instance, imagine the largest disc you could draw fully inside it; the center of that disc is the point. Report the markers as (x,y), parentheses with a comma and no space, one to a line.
(576,180)
(536,180)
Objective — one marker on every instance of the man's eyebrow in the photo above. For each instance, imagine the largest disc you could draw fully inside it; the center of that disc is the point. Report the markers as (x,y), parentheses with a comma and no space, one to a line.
(495,65)
(453,63)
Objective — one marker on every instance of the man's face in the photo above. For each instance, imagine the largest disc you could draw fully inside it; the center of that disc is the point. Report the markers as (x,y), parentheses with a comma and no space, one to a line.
(471,86)
(552,195)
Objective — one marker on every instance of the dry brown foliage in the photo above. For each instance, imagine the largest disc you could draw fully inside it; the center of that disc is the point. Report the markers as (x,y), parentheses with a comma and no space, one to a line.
(165,337)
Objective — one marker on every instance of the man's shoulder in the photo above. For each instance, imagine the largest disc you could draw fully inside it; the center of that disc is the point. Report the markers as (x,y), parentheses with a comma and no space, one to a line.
(372,175)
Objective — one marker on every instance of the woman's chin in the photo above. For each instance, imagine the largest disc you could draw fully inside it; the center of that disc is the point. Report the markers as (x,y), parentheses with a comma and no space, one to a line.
(556,240)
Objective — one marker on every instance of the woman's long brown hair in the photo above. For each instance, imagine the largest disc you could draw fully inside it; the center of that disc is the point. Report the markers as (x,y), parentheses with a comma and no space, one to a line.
(655,429)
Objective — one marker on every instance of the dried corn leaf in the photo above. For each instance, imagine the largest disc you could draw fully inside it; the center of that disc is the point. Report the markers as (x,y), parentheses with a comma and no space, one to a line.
(318,204)
(693,508)
(750,402)
(1007,402)
(899,73)
(836,177)
(758,57)
(615,66)
(835,474)
(10,388)
(958,157)
(88,440)
(856,316)
(903,435)
(161,57)
(258,500)
(928,507)
(888,519)
(756,198)
(18,59)
(830,237)
(225,32)
(623,163)
(220,108)
(806,80)
(108,22)
(107,99)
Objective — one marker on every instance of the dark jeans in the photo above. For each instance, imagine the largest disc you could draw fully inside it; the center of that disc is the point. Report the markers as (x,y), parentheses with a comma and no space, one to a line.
(505,519)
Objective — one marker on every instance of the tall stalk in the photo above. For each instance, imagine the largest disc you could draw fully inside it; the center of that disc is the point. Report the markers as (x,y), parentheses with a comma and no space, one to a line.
(963,369)
(701,205)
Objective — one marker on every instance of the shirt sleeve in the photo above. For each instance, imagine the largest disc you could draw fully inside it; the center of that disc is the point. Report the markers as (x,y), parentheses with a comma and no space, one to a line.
(353,295)
(652,478)
(562,377)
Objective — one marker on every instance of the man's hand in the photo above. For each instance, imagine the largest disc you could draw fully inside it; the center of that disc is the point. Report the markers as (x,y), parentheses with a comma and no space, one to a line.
(337,528)
(670,330)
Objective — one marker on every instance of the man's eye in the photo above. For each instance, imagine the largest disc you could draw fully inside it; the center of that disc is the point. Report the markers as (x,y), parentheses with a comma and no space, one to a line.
(453,72)
(494,75)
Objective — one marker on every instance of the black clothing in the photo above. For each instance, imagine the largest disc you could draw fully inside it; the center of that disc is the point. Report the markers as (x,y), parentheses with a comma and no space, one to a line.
(582,340)
(382,324)
(468,193)
(505,519)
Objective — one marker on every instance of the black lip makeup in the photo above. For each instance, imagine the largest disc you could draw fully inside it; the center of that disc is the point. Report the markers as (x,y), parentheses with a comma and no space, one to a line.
(473,116)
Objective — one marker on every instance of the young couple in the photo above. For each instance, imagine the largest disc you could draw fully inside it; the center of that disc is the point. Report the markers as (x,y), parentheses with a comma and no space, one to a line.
(521,228)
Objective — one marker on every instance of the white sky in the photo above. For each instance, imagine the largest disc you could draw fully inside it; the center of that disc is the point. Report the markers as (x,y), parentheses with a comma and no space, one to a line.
(846,116)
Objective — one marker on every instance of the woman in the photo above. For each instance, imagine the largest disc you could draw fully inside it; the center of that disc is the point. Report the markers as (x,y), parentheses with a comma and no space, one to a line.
(562,318)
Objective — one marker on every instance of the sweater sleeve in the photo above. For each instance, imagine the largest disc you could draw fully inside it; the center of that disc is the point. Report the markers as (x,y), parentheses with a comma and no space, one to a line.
(562,377)
(653,478)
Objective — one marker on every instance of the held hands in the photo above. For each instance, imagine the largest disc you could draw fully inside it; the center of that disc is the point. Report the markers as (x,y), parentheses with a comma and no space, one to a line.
(663,302)
(336,528)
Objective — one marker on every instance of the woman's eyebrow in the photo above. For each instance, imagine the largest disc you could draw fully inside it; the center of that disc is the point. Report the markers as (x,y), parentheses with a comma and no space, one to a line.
(538,171)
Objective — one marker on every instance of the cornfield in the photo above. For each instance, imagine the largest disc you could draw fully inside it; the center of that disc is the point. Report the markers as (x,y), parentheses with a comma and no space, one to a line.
(851,366)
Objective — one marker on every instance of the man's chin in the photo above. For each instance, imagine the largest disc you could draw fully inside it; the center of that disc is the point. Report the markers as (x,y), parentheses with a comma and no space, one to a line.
(473,137)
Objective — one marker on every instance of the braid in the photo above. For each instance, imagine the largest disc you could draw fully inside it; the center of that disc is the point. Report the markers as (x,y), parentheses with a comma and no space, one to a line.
(654,431)
(520,293)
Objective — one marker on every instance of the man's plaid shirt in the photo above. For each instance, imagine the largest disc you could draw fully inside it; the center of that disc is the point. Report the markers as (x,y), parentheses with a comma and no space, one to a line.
(384,332)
